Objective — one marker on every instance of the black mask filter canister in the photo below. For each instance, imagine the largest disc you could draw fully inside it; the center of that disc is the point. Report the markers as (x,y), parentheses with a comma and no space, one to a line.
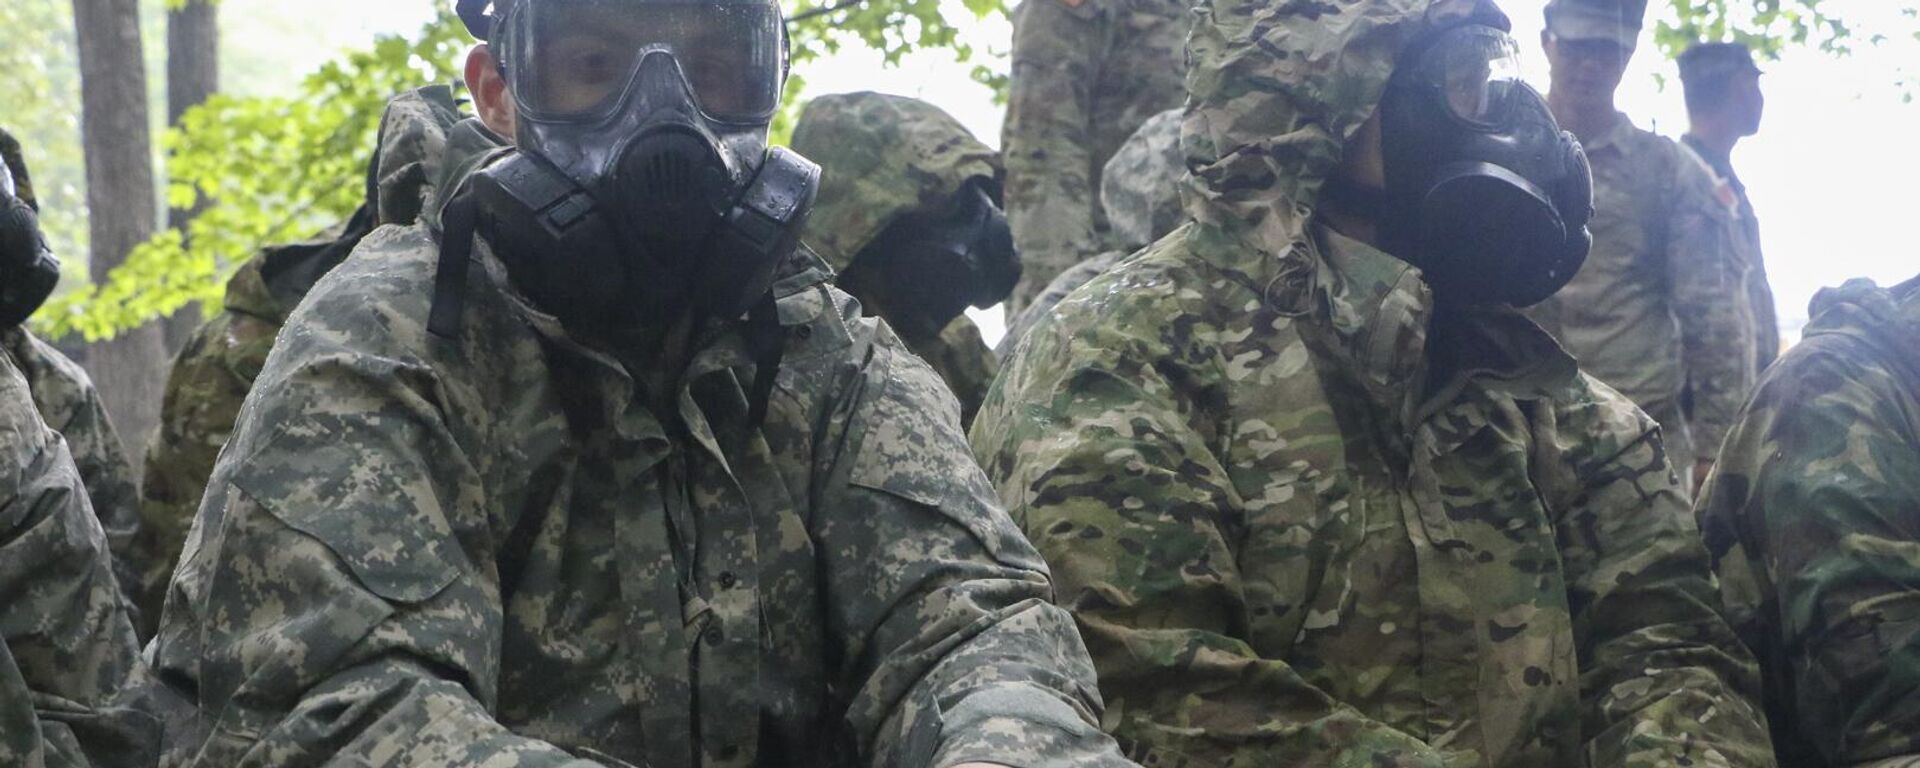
(28,269)
(1488,197)
(642,185)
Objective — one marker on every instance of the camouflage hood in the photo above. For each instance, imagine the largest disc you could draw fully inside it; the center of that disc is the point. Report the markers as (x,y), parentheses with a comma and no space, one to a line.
(1139,189)
(1275,89)
(421,134)
(882,156)
(1887,319)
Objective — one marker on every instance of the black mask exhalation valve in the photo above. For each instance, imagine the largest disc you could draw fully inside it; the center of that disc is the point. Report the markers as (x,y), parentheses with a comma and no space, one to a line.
(1485,193)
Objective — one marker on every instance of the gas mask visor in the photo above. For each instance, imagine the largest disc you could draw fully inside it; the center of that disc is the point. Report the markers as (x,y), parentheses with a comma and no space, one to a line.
(6,180)
(577,60)
(1473,72)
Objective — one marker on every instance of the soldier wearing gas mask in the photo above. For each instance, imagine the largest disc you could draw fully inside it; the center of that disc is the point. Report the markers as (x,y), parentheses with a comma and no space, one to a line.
(61,389)
(595,467)
(909,215)
(66,643)
(1316,492)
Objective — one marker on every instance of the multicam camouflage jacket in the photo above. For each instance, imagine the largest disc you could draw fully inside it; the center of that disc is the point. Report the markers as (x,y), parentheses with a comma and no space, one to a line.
(1085,75)
(1305,517)
(66,647)
(883,157)
(1140,190)
(491,550)
(1813,518)
(1660,311)
(70,405)
(213,372)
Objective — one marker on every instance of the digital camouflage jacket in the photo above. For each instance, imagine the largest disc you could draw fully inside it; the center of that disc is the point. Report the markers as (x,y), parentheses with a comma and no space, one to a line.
(1140,190)
(1303,517)
(66,647)
(70,405)
(500,549)
(214,370)
(1660,310)
(1813,518)
(883,157)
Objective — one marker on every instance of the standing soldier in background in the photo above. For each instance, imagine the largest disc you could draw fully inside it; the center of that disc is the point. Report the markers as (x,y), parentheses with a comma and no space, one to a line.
(1085,74)
(216,368)
(1140,192)
(1314,491)
(1724,105)
(1660,311)
(593,467)
(70,405)
(909,215)
(66,645)
(1813,518)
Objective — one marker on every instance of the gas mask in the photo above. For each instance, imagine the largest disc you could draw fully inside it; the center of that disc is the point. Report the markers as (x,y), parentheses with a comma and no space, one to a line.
(1484,192)
(28,269)
(933,265)
(642,186)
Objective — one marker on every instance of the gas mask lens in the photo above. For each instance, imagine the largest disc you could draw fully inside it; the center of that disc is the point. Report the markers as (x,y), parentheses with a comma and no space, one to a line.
(574,59)
(1475,70)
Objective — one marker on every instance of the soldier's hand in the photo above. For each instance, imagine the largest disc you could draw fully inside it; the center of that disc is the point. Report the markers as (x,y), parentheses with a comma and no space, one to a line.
(1700,470)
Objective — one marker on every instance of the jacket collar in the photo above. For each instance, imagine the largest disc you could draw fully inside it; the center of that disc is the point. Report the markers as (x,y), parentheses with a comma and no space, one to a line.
(1411,357)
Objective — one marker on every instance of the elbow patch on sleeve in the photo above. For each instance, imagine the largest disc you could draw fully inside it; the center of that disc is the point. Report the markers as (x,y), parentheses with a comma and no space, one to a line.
(384,522)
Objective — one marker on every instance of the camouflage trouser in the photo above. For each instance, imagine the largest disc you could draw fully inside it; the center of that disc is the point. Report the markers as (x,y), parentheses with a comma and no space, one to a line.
(1086,74)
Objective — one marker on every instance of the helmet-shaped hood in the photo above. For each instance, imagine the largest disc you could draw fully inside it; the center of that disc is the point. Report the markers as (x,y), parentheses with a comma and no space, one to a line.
(882,157)
(1275,90)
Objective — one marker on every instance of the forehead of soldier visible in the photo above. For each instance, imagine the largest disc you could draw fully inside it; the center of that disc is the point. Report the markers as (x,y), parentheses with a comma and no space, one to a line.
(1708,63)
(1613,21)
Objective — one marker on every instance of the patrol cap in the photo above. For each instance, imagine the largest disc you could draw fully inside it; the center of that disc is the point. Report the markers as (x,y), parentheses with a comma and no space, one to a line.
(1617,21)
(1709,63)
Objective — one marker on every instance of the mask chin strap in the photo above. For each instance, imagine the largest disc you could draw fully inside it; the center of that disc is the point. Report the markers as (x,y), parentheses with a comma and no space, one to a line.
(460,218)
(767,343)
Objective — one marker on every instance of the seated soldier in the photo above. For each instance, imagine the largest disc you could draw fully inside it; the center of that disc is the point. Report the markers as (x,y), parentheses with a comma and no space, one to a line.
(69,403)
(1316,493)
(595,468)
(909,215)
(1812,514)
(66,646)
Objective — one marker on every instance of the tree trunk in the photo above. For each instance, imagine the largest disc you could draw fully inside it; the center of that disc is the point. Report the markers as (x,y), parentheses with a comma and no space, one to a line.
(193,74)
(129,370)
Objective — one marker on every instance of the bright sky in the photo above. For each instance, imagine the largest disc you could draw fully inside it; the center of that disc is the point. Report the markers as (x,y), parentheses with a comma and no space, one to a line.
(1832,173)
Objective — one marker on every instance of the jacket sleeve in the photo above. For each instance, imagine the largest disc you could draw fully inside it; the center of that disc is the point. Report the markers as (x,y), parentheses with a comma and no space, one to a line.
(66,647)
(1101,462)
(1663,681)
(1048,138)
(1818,489)
(1707,277)
(944,606)
(338,601)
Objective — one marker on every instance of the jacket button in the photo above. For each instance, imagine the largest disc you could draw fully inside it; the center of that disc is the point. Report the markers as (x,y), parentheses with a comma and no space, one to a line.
(713,635)
(728,580)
